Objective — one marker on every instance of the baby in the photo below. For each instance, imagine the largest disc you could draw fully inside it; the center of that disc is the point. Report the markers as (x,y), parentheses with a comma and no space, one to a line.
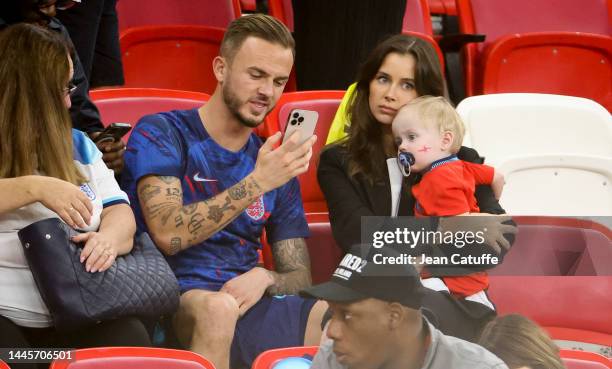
(431,131)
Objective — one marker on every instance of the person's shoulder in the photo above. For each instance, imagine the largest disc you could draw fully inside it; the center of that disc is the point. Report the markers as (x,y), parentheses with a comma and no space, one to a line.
(84,150)
(325,357)
(467,354)
(167,122)
(335,152)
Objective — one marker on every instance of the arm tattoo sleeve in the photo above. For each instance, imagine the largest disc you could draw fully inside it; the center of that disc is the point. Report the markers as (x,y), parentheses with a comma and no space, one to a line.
(292,267)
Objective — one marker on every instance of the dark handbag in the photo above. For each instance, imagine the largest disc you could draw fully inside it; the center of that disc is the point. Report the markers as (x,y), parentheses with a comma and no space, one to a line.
(140,283)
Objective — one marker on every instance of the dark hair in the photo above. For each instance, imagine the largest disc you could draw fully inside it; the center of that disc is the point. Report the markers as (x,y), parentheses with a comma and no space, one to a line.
(364,141)
(520,342)
(17,11)
(257,25)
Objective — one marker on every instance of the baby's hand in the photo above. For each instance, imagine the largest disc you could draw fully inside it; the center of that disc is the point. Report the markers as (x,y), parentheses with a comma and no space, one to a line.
(498,183)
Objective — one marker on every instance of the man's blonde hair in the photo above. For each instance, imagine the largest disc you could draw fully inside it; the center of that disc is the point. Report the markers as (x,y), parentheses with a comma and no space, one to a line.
(436,111)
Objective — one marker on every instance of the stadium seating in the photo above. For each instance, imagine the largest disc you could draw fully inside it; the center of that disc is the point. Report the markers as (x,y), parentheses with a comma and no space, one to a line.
(502,126)
(570,247)
(573,308)
(541,55)
(4,365)
(445,7)
(584,360)
(550,147)
(134,358)
(267,359)
(554,184)
(283,11)
(128,105)
(171,56)
(325,103)
(417,18)
(324,253)
(216,13)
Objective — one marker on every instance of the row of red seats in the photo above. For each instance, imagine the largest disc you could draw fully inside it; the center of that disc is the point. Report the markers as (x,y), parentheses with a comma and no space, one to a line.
(557,257)
(144,357)
(530,45)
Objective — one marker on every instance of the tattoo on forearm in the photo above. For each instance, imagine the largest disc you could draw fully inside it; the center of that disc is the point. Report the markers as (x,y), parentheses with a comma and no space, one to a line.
(216,212)
(175,245)
(189,209)
(292,265)
(195,224)
(238,191)
(148,192)
(162,210)
(178,221)
(167,179)
(174,194)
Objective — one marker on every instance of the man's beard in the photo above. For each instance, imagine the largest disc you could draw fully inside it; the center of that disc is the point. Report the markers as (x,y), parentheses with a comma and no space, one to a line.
(233,104)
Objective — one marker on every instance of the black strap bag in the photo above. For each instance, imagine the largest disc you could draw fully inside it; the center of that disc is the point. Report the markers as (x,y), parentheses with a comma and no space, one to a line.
(140,283)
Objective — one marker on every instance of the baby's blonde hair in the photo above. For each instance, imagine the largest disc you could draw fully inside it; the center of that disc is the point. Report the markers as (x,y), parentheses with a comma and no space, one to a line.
(436,110)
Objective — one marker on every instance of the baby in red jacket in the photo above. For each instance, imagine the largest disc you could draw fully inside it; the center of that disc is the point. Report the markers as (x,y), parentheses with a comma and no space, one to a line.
(429,132)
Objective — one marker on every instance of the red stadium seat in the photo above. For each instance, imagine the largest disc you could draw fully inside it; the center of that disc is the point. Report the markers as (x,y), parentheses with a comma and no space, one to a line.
(283,11)
(175,57)
(584,360)
(248,5)
(497,19)
(324,252)
(572,307)
(574,64)
(215,13)
(4,365)
(417,18)
(133,358)
(325,103)
(267,359)
(558,250)
(447,7)
(128,105)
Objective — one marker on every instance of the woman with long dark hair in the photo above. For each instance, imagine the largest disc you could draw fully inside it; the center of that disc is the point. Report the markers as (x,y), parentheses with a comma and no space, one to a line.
(354,173)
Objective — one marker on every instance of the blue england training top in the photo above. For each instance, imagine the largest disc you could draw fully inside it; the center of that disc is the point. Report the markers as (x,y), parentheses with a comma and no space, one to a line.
(176,144)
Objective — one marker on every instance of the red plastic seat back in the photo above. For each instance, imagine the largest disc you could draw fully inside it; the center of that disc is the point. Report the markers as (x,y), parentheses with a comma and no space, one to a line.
(559,63)
(283,11)
(569,307)
(216,13)
(325,103)
(584,360)
(128,105)
(134,358)
(554,250)
(173,57)
(4,365)
(500,18)
(267,359)
(417,17)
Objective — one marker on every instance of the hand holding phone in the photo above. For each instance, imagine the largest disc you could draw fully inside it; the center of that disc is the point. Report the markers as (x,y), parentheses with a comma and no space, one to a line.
(304,121)
(113,133)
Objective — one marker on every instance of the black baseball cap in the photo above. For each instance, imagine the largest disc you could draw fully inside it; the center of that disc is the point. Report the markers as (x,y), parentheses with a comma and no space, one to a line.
(361,275)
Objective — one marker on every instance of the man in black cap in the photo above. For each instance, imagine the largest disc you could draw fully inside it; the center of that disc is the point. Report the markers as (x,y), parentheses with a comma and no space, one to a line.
(377,322)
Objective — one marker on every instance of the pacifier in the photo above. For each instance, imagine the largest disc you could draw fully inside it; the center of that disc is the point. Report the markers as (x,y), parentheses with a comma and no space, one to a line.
(404,161)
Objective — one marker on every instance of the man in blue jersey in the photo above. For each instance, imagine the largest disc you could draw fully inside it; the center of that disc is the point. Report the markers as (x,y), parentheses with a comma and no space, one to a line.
(204,186)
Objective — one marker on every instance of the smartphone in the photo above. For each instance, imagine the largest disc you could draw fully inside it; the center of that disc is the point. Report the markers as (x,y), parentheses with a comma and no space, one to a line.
(303,121)
(113,132)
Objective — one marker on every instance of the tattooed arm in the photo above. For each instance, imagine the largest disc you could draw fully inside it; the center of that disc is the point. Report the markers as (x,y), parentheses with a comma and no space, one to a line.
(292,267)
(175,227)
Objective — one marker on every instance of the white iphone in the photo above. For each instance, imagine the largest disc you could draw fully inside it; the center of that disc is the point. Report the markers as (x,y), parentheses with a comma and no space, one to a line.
(303,121)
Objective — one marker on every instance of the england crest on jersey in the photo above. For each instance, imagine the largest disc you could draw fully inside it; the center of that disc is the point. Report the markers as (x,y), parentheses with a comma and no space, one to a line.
(257,209)
(88,191)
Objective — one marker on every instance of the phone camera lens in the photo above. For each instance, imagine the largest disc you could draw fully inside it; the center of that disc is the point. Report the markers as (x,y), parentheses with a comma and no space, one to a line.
(295,115)
(293,122)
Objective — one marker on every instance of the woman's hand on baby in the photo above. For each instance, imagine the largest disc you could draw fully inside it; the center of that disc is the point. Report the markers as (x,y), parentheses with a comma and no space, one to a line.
(65,199)
(99,252)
